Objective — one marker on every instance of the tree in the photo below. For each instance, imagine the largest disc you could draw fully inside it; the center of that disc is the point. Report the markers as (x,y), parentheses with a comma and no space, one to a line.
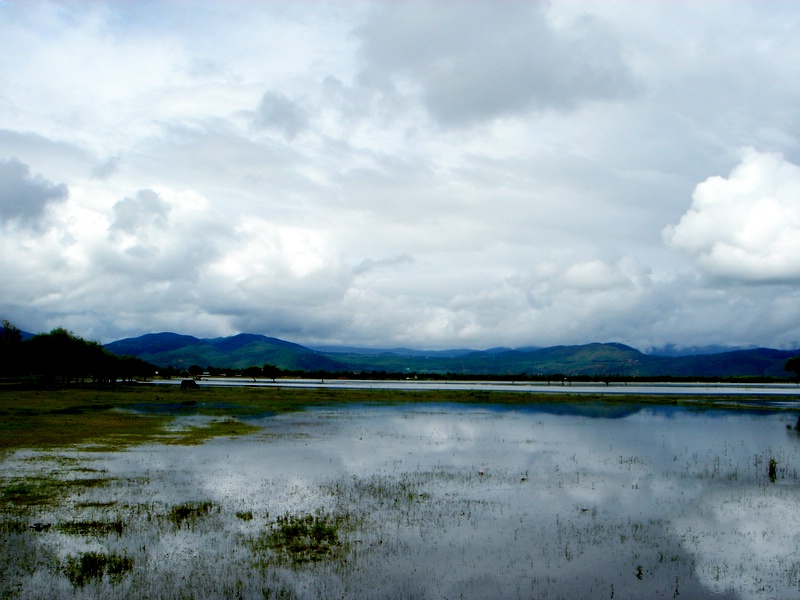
(10,334)
(10,346)
(132,366)
(271,372)
(168,372)
(55,354)
(61,354)
(793,366)
(252,372)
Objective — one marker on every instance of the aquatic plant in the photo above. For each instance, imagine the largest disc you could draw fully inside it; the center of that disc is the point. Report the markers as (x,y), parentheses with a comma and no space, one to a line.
(89,566)
(189,512)
(22,494)
(27,493)
(93,528)
(303,538)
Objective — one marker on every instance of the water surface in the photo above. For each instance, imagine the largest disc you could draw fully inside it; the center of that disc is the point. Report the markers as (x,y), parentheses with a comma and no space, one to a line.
(448,501)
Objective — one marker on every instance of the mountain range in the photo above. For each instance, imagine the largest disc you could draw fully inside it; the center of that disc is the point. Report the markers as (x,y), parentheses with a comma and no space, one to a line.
(595,359)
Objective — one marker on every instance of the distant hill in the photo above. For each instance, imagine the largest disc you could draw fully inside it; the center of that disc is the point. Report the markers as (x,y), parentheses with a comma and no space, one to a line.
(393,351)
(236,352)
(591,360)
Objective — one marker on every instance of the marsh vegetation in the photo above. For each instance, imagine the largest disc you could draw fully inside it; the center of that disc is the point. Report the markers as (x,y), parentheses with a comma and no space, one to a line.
(568,499)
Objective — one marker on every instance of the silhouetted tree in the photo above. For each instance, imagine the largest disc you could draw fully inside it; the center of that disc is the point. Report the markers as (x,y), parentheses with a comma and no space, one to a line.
(793,366)
(271,372)
(10,334)
(168,372)
(10,349)
(253,372)
(62,356)
(132,367)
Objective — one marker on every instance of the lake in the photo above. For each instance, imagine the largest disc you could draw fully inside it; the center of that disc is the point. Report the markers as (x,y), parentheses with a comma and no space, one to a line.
(788,390)
(547,500)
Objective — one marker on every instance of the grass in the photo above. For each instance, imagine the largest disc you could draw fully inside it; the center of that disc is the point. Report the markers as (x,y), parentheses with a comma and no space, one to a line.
(303,538)
(190,512)
(22,494)
(89,566)
(92,528)
(55,418)
(108,420)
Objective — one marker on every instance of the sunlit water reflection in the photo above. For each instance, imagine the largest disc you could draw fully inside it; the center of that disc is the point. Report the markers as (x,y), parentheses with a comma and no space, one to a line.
(451,501)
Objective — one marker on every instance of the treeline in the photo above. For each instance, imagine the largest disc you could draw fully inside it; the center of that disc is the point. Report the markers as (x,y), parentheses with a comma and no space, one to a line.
(196,371)
(64,358)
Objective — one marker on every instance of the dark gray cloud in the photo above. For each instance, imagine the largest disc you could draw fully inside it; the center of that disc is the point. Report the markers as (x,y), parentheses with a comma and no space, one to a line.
(24,197)
(479,60)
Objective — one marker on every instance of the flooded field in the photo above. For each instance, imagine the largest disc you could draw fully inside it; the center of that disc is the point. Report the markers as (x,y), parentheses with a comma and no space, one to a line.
(549,500)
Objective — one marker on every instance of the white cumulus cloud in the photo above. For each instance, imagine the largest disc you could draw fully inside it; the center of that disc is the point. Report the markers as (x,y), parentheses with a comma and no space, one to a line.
(746,226)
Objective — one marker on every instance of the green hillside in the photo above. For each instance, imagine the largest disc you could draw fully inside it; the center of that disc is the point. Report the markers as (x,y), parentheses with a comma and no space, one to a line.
(237,352)
(589,360)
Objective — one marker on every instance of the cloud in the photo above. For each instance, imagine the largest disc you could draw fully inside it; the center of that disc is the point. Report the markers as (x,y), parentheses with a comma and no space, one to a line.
(730,531)
(163,236)
(479,60)
(59,158)
(146,208)
(415,173)
(106,168)
(24,198)
(745,227)
(369,265)
(278,113)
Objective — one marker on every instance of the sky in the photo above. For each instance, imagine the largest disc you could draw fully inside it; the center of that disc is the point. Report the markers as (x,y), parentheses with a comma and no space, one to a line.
(448,174)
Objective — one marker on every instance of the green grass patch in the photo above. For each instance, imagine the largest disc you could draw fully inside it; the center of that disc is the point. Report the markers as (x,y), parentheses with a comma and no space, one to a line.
(190,512)
(92,528)
(52,418)
(33,491)
(22,493)
(106,420)
(302,538)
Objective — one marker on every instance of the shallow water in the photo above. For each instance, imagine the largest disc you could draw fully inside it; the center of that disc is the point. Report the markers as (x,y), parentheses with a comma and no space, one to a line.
(788,391)
(445,501)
